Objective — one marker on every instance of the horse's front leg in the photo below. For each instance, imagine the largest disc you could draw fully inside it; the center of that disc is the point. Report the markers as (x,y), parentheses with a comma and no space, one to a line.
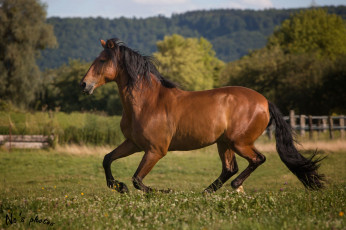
(125,149)
(149,160)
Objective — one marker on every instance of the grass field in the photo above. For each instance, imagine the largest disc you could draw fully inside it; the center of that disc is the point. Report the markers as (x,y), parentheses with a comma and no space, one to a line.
(68,188)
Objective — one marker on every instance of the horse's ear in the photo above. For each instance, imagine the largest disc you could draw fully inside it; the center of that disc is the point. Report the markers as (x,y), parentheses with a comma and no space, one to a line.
(103,43)
(110,44)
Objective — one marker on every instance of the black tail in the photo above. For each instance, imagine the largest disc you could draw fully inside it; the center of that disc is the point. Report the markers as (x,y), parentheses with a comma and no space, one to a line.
(304,168)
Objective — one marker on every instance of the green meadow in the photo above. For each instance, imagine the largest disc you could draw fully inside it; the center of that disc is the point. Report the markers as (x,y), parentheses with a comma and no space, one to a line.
(60,189)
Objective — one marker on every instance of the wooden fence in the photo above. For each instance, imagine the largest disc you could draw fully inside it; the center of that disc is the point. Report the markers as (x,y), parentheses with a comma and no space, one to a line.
(26,141)
(314,124)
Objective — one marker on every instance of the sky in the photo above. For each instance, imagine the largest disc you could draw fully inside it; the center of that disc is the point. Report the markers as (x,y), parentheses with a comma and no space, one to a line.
(147,8)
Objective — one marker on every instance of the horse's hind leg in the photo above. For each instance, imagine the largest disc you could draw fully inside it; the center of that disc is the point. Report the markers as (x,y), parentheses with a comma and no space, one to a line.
(125,149)
(255,159)
(229,167)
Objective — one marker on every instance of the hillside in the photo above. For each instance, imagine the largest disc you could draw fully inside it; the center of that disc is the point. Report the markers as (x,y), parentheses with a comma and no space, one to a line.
(232,32)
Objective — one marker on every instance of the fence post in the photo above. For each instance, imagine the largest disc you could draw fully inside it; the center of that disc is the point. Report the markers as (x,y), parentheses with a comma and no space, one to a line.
(292,119)
(302,125)
(10,137)
(318,128)
(330,121)
(269,132)
(324,125)
(342,129)
(310,127)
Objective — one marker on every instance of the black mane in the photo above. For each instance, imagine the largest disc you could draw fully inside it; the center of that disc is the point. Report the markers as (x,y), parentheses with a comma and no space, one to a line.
(138,66)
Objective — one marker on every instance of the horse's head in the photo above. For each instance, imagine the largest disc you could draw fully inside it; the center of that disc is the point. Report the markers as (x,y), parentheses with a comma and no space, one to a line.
(115,59)
(103,69)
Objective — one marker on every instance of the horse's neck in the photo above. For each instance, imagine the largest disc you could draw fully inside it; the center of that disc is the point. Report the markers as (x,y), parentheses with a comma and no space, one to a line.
(144,93)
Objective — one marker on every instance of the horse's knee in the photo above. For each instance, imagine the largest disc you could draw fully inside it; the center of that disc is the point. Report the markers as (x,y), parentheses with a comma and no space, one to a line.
(106,161)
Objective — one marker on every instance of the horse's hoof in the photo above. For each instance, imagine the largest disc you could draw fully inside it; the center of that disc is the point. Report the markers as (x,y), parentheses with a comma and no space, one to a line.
(240,190)
(208,191)
(121,187)
(166,190)
(117,186)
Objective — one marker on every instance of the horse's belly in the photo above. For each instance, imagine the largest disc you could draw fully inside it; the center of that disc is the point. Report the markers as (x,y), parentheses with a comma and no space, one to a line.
(198,137)
(188,144)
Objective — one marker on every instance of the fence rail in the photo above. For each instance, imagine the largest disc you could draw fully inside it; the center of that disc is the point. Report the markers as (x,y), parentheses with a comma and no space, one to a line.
(320,124)
(26,141)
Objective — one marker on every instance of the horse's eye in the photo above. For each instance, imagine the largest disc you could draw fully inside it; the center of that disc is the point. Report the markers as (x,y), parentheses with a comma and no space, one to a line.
(102,60)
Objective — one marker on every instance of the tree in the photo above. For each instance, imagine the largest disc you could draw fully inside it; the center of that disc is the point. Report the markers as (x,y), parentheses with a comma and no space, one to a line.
(23,33)
(312,31)
(190,62)
(333,87)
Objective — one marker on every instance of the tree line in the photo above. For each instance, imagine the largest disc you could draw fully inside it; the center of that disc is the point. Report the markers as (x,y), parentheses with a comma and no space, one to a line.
(301,64)
(231,32)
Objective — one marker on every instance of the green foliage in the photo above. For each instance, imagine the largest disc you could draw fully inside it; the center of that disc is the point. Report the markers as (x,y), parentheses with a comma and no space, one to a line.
(231,32)
(290,81)
(298,69)
(190,62)
(23,33)
(333,86)
(62,91)
(70,190)
(312,31)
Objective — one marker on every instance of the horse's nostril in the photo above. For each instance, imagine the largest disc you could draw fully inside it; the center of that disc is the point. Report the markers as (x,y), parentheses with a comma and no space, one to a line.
(83,85)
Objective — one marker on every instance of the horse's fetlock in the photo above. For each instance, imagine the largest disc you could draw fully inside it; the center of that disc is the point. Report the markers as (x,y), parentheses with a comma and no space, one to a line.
(136,183)
(235,184)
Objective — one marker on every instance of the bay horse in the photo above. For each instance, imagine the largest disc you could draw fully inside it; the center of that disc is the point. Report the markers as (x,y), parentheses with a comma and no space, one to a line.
(159,117)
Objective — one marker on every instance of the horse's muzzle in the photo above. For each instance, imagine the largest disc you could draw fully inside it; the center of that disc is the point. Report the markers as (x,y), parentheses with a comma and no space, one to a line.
(87,88)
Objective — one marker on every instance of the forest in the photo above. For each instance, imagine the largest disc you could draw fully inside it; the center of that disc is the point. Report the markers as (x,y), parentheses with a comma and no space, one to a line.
(233,33)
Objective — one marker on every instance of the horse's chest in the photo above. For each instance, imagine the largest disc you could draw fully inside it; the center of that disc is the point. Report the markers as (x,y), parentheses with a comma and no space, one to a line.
(137,128)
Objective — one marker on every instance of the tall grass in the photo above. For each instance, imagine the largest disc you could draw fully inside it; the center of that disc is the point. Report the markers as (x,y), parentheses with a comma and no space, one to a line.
(74,128)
